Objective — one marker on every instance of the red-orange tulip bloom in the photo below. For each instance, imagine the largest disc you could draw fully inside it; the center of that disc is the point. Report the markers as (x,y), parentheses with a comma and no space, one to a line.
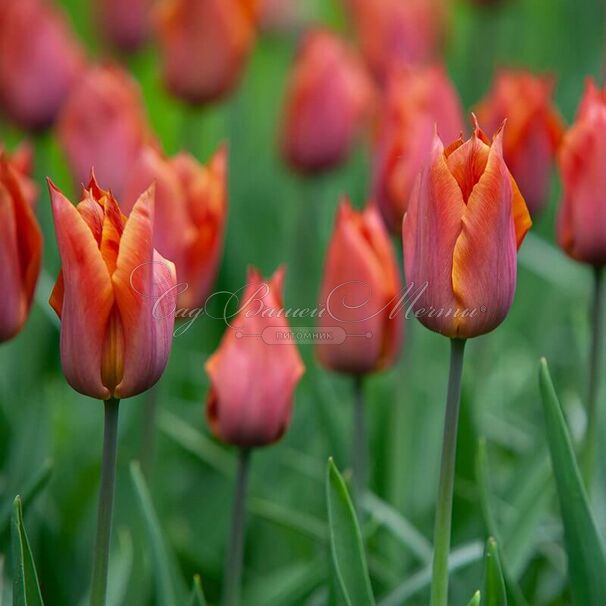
(115,295)
(20,248)
(328,99)
(464,224)
(416,101)
(204,45)
(361,289)
(582,216)
(125,23)
(103,125)
(39,61)
(398,33)
(191,208)
(533,133)
(254,372)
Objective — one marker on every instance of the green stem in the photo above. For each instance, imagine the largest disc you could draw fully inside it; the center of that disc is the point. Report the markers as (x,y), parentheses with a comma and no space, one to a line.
(360,440)
(232,577)
(106,503)
(595,364)
(439,583)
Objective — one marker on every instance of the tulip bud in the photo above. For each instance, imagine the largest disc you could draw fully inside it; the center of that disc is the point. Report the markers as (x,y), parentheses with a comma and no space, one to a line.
(39,61)
(103,125)
(533,133)
(581,226)
(20,248)
(360,290)
(254,372)
(191,206)
(328,99)
(204,45)
(415,102)
(397,33)
(465,221)
(125,23)
(115,295)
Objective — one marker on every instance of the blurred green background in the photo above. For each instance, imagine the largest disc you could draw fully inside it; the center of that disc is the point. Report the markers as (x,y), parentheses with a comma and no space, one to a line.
(272,214)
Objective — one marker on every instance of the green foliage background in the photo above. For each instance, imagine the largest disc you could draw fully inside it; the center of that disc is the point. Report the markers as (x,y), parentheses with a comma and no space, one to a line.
(274,217)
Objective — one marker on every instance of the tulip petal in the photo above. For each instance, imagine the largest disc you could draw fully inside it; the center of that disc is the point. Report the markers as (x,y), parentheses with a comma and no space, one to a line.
(87,299)
(144,290)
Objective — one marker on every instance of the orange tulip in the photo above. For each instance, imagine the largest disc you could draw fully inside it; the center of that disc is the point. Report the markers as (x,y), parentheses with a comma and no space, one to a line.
(360,290)
(465,221)
(20,247)
(396,33)
(39,61)
(115,295)
(125,23)
(191,207)
(103,125)
(415,102)
(254,373)
(582,215)
(204,45)
(533,133)
(328,98)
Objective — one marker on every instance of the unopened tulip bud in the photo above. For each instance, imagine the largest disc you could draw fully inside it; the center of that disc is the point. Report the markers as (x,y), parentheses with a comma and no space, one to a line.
(464,224)
(254,371)
(125,23)
(115,295)
(360,292)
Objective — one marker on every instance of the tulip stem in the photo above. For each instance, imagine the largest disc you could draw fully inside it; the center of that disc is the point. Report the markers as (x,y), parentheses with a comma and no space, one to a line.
(439,583)
(595,364)
(106,503)
(360,440)
(232,577)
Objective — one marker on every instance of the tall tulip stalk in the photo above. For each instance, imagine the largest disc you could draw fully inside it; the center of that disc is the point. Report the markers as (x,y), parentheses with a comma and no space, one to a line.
(464,224)
(115,298)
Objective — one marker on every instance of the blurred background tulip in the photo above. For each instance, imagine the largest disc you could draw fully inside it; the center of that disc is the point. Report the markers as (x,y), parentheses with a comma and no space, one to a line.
(328,99)
(39,60)
(465,222)
(416,102)
(191,208)
(125,23)
(103,125)
(114,295)
(533,134)
(204,45)
(20,245)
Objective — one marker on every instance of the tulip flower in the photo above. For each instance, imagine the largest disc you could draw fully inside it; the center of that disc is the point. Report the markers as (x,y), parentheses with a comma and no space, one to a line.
(395,34)
(204,45)
(115,297)
(328,99)
(103,125)
(39,61)
(582,232)
(464,224)
(253,375)
(20,247)
(125,23)
(416,100)
(533,134)
(191,207)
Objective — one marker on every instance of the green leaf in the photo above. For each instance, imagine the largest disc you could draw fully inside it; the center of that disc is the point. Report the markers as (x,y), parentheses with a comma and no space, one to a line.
(494,583)
(475,600)
(197,594)
(346,542)
(586,561)
(26,589)
(169,587)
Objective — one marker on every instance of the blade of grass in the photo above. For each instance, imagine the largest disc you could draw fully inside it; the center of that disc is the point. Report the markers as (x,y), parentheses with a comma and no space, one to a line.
(494,583)
(197,594)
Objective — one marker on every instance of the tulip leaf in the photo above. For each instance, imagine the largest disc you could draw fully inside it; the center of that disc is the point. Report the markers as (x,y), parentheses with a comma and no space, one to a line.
(494,582)
(346,544)
(169,587)
(26,589)
(475,600)
(197,594)
(586,560)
